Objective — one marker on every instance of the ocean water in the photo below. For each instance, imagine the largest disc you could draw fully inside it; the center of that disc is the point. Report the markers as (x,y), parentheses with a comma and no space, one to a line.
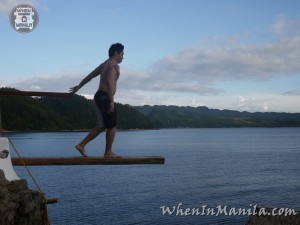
(204,168)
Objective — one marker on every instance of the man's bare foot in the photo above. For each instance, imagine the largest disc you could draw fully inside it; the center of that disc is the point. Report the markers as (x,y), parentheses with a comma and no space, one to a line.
(81,150)
(111,155)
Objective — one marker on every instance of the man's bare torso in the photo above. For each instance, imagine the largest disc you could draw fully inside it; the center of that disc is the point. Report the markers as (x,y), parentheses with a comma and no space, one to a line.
(110,73)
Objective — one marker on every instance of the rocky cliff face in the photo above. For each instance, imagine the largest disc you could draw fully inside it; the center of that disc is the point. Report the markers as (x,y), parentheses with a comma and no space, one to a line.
(19,205)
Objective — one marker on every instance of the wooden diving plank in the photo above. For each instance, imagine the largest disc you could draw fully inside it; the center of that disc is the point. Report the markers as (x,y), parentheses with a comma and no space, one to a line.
(51,161)
(35,93)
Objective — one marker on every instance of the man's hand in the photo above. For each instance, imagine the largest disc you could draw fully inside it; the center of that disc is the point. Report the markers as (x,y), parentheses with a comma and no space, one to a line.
(73,90)
(111,107)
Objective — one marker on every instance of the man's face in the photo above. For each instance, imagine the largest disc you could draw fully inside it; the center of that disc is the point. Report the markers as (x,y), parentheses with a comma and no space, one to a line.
(120,56)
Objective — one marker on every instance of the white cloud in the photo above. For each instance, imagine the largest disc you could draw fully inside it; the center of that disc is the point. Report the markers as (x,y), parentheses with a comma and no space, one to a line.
(251,102)
(250,62)
(279,25)
(292,92)
(195,69)
(60,82)
(188,77)
(7,5)
(287,27)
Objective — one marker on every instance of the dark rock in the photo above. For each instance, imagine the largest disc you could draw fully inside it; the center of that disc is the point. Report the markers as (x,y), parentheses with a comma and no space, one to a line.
(274,216)
(3,181)
(17,185)
(19,205)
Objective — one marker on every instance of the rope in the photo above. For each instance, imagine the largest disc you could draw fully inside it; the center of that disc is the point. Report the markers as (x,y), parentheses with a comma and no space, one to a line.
(35,182)
(47,221)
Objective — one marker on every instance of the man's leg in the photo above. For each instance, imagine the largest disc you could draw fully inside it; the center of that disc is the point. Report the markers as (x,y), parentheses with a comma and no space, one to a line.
(110,136)
(91,135)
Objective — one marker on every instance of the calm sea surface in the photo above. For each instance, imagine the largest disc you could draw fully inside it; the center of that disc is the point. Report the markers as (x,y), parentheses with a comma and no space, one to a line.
(205,168)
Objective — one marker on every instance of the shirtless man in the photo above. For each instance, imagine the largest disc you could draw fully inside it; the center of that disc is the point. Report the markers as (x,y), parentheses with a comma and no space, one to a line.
(109,72)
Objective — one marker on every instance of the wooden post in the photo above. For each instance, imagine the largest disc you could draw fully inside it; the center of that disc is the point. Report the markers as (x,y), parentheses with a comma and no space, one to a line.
(52,200)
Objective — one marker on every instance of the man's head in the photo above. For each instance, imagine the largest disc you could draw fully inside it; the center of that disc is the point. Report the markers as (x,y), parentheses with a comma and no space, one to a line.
(116,50)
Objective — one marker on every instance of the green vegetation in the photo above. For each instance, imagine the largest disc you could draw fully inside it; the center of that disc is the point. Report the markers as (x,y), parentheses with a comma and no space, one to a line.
(175,116)
(20,113)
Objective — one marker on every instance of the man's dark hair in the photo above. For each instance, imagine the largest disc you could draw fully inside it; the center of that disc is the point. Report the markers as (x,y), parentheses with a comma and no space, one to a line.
(117,47)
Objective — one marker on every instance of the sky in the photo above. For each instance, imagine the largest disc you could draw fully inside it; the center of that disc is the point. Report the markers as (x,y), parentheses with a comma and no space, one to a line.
(223,54)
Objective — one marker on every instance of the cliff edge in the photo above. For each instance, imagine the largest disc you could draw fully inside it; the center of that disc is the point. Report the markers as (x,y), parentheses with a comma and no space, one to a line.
(20,205)
(286,217)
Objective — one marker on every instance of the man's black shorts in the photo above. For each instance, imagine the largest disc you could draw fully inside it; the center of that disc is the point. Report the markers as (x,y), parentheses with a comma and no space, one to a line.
(102,100)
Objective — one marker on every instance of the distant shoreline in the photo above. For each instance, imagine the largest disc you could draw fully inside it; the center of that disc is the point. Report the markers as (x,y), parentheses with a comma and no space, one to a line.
(120,130)
(77,114)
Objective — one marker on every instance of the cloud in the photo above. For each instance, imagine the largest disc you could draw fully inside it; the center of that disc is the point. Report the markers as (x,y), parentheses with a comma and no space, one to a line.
(59,82)
(150,80)
(189,74)
(184,78)
(195,69)
(7,5)
(292,92)
(250,62)
(115,11)
(285,26)
(252,103)
(262,102)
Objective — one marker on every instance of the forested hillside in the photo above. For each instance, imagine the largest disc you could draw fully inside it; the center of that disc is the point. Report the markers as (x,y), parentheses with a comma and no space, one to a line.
(78,113)
(54,113)
(175,116)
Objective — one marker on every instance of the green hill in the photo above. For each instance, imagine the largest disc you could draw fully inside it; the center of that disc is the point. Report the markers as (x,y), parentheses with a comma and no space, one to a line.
(175,116)
(78,113)
(54,113)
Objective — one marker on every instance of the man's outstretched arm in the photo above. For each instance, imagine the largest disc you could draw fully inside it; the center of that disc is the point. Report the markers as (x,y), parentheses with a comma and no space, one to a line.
(87,79)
